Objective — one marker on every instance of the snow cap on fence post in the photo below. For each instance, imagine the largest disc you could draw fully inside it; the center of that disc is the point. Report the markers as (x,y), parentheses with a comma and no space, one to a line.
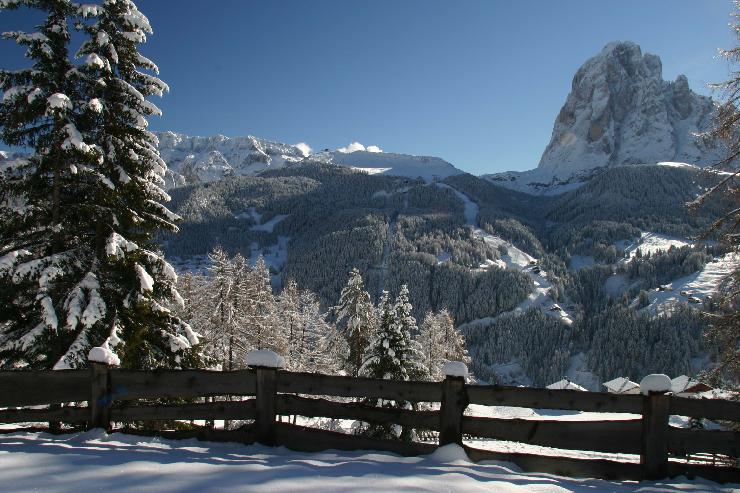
(455,369)
(655,383)
(264,358)
(103,355)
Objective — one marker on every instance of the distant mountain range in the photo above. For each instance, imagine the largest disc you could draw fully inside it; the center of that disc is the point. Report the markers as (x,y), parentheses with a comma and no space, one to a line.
(620,111)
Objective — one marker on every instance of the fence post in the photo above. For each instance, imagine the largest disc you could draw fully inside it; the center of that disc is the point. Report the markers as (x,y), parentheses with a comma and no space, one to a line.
(655,415)
(454,402)
(266,364)
(100,396)
(265,410)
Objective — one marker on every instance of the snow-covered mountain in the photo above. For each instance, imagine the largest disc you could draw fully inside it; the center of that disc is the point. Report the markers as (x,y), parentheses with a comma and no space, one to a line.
(388,163)
(207,159)
(620,111)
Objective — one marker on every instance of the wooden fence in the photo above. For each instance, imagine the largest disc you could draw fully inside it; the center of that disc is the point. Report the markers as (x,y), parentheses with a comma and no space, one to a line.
(120,396)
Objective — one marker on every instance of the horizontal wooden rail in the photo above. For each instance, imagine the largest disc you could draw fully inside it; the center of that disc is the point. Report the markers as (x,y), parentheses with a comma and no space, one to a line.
(575,400)
(141,384)
(315,408)
(562,466)
(306,439)
(682,442)
(206,410)
(602,436)
(317,384)
(66,414)
(33,388)
(705,408)
(113,396)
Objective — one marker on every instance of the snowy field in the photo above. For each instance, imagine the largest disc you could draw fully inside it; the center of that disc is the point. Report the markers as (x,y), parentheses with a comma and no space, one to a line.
(96,461)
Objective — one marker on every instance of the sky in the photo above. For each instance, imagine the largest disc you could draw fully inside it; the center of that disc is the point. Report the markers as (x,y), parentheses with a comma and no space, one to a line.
(478,83)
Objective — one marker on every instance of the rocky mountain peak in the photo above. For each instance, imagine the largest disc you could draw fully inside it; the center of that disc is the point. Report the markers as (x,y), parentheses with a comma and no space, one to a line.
(621,111)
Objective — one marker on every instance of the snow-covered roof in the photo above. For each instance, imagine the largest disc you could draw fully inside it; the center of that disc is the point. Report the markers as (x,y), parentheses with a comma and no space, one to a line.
(620,385)
(683,383)
(565,384)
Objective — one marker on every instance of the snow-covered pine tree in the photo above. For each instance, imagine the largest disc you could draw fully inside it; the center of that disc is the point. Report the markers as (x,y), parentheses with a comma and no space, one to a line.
(355,314)
(393,355)
(79,264)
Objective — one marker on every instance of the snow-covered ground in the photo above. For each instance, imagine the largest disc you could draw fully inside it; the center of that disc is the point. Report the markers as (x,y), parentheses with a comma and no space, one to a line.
(650,243)
(96,461)
(693,288)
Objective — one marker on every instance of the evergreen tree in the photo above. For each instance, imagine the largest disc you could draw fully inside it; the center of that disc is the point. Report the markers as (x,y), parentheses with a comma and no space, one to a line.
(356,312)
(79,267)
(393,355)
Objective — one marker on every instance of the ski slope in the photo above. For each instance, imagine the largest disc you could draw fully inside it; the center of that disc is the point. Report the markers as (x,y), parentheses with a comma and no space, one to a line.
(96,461)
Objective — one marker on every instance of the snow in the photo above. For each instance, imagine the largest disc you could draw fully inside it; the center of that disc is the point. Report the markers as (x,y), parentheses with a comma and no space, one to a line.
(269,225)
(622,385)
(450,454)
(388,163)
(265,358)
(103,355)
(304,148)
(470,207)
(565,384)
(118,462)
(145,280)
(699,285)
(455,369)
(656,382)
(59,101)
(652,242)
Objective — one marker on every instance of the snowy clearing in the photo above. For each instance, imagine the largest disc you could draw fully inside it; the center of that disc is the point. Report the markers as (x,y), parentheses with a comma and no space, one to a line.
(651,243)
(96,461)
(691,289)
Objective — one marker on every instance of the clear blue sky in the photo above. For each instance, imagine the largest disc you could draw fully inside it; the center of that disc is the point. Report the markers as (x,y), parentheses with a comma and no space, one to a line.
(478,83)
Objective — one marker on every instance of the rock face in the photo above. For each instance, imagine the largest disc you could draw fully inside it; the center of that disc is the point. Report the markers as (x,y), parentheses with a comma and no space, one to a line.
(204,159)
(621,111)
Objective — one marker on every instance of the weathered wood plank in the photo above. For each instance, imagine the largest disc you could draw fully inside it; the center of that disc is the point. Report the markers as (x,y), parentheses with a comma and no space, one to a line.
(712,473)
(245,434)
(316,384)
(264,420)
(205,410)
(562,466)
(495,395)
(67,414)
(312,440)
(33,388)
(291,404)
(706,408)
(654,455)
(138,384)
(601,436)
(454,402)
(100,397)
(685,441)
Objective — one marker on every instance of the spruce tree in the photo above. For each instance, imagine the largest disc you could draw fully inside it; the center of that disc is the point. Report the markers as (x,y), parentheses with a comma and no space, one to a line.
(393,355)
(79,264)
(355,313)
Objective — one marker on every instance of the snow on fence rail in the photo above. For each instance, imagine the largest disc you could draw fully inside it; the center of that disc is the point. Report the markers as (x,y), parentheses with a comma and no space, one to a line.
(116,396)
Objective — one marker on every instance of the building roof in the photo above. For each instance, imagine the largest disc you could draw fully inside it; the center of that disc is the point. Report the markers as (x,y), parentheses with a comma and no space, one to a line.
(565,384)
(685,384)
(620,385)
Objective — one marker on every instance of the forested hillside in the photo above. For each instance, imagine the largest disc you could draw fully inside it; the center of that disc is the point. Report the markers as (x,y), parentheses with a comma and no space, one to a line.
(531,280)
